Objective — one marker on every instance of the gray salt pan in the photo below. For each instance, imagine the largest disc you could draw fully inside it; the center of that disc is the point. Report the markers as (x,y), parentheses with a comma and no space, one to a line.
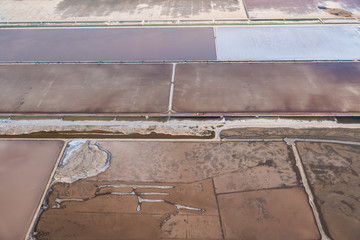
(266,43)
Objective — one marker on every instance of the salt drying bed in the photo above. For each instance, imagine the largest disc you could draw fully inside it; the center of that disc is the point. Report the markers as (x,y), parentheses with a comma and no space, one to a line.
(240,43)
(206,88)
(269,43)
(107,44)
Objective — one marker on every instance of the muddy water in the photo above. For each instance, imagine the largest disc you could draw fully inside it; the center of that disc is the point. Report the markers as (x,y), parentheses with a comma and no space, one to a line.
(107,135)
(25,170)
(310,133)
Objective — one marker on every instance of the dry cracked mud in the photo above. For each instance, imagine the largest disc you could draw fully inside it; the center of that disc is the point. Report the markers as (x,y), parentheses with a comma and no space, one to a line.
(109,210)
(166,190)
(268,214)
(336,11)
(333,171)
